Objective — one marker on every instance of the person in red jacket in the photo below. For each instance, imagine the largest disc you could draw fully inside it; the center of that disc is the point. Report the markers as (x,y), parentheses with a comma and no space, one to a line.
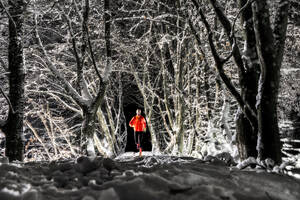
(138,123)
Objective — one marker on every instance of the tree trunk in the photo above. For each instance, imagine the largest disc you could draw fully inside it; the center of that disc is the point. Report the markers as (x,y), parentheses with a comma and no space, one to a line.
(270,51)
(13,128)
(87,131)
(246,135)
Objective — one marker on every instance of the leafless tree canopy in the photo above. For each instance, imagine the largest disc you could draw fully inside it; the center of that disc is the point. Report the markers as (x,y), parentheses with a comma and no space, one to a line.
(210,76)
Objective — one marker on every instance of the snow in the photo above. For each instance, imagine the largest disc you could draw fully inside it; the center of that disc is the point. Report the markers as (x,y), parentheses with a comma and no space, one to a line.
(290,70)
(149,177)
(109,194)
(16,190)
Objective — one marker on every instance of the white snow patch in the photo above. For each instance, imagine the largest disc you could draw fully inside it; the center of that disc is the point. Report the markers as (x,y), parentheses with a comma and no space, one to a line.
(245,163)
(109,194)
(290,70)
(14,192)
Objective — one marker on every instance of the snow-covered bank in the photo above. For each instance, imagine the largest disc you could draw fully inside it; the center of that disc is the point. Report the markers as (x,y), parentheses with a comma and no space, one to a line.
(149,177)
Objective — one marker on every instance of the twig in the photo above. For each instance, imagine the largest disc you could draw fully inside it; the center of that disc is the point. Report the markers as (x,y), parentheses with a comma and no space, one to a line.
(249,2)
(7,12)
(7,99)
(38,138)
(86,29)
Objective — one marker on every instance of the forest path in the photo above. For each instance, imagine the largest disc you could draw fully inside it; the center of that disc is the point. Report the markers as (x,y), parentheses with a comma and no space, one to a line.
(145,178)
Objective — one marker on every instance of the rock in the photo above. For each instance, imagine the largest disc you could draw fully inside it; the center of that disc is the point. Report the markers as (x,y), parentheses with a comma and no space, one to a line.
(209,158)
(109,165)
(88,198)
(109,194)
(60,181)
(31,195)
(98,161)
(85,165)
(50,189)
(129,173)
(92,182)
(65,167)
(84,180)
(226,157)
(4,160)
(99,181)
(72,173)
(94,174)
(115,173)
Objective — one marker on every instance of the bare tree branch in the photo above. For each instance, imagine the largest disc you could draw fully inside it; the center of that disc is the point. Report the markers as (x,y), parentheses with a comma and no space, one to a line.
(7,13)
(7,100)
(249,113)
(55,71)
(228,30)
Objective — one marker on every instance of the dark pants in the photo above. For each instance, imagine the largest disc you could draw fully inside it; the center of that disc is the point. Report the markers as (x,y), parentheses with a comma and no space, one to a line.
(138,137)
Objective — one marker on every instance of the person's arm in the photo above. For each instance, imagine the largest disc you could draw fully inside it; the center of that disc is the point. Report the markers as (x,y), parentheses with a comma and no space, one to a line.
(131,123)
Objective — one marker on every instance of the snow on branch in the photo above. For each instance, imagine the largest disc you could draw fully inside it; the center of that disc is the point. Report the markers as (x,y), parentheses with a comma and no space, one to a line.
(56,72)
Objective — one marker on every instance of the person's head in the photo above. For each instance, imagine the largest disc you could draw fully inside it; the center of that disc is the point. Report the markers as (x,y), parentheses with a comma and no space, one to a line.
(138,111)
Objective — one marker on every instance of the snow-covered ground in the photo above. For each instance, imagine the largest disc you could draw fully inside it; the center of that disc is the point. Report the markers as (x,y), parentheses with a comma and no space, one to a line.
(146,178)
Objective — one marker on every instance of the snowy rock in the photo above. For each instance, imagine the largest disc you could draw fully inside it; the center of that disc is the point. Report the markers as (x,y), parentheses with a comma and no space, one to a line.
(209,158)
(129,173)
(161,177)
(14,190)
(50,189)
(31,195)
(4,160)
(137,189)
(226,157)
(88,198)
(109,194)
(269,163)
(189,179)
(248,162)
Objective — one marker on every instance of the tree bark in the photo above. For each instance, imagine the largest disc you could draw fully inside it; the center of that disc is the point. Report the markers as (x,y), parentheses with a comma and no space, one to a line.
(87,131)
(13,128)
(246,135)
(270,51)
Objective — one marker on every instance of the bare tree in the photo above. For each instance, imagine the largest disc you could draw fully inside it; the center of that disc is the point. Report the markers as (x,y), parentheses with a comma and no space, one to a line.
(270,47)
(89,104)
(13,126)
(267,87)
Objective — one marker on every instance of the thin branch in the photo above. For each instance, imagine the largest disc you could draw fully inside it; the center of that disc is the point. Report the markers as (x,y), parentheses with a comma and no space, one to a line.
(79,63)
(85,30)
(7,12)
(280,28)
(38,138)
(58,99)
(8,101)
(93,55)
(228,29)
(249,2)
(55,71)
(248,111)
(3,64)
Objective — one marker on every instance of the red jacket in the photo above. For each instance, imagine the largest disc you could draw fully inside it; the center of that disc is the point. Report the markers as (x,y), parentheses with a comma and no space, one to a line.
(138,122)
